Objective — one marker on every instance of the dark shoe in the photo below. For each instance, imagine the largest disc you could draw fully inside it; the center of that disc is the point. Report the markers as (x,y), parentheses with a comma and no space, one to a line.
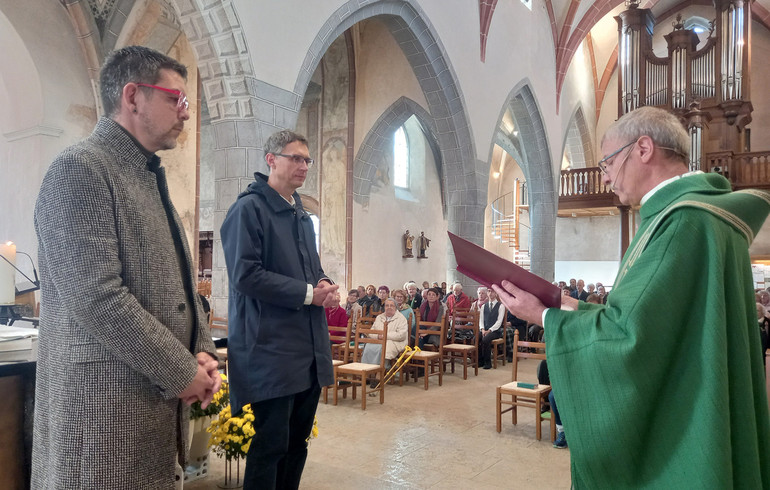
(373,383)
(561,441)
(487,366)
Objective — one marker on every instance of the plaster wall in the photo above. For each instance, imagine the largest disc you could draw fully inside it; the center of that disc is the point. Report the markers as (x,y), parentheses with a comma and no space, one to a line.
(760,97)
(379,228)
(578,91)
(383,75)
(181,162)
(588,238)
(47,104)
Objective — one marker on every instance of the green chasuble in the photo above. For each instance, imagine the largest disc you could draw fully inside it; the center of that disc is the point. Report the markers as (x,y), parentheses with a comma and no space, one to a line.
(663,387)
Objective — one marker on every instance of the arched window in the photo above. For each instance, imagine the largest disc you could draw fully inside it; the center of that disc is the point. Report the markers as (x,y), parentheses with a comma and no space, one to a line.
(400,159)
(317,229)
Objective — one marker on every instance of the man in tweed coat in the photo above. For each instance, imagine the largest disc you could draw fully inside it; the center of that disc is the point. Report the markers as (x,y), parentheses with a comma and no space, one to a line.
(123,340)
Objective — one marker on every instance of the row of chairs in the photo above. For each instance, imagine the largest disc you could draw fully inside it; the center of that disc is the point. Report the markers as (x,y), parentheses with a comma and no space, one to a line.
(347,346)
(350,373)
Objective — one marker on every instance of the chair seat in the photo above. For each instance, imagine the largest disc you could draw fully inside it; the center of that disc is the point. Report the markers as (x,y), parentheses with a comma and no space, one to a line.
(359,366)
(337,362)
(513,386)
(425,355)
(459,347)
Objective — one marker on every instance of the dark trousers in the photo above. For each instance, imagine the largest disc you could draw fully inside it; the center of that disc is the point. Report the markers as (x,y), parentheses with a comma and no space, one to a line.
(278,451)
(486,345)
(552,402)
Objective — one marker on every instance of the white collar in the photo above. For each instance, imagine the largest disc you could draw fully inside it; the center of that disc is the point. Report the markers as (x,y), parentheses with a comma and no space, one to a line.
(665,183)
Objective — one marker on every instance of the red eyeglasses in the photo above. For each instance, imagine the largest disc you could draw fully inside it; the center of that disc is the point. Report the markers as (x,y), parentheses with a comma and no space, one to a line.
(181,102)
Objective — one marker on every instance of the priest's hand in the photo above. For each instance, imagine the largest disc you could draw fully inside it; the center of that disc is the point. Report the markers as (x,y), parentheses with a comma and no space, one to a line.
(519,302)
(569,303)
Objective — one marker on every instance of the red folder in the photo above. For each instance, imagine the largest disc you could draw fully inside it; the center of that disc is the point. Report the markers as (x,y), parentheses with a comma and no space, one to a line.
(487,268)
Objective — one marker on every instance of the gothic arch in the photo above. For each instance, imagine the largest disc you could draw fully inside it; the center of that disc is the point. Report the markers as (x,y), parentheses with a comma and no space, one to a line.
(578,145)
(379,142)
(464,179)
(535,162)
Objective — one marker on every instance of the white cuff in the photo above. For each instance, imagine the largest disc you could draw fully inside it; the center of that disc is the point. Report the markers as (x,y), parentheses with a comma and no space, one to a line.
(309,295)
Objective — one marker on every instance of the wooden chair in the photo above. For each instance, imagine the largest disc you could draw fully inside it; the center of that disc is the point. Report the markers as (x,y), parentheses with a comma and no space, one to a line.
(204,287)
(342,349)
(356,373)
(498,346)
(218,324)
(430,362)
(354,352)
(468,353)
(340,338)
(522,396)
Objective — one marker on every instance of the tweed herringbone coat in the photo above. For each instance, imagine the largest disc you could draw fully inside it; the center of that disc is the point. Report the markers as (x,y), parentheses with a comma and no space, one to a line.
(116,321)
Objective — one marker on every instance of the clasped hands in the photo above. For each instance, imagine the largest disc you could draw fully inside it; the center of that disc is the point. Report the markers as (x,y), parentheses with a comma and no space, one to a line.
(205,383)
(325,294)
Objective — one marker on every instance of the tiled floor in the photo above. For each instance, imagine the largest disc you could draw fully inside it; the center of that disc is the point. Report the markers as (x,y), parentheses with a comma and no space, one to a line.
(441,438)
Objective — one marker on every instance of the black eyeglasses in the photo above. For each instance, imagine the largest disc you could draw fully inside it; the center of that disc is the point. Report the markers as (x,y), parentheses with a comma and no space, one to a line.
(603,162)
(297,159)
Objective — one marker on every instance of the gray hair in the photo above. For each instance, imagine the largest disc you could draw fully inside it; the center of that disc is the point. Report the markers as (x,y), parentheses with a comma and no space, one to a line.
(278,141)
(482,288)
(136,64)
(391,300)
(661,126)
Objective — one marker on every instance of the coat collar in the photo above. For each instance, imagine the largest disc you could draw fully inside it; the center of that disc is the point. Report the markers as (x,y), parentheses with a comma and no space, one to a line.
(272,197)
(117,138)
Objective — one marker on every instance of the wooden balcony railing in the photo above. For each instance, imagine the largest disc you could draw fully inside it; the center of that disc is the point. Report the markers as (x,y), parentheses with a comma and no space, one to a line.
(583,188)
(743,170)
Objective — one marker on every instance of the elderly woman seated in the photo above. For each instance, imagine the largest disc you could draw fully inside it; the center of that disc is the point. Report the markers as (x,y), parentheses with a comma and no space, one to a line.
(397,327)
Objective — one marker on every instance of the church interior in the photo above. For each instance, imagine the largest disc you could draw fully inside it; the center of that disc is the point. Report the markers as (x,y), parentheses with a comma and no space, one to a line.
(481,118)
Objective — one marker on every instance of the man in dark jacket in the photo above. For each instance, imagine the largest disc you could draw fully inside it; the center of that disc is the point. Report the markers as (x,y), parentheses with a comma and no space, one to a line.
(278,342)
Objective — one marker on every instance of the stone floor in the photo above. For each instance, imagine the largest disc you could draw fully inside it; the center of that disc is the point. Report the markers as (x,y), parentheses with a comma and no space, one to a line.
(441,438)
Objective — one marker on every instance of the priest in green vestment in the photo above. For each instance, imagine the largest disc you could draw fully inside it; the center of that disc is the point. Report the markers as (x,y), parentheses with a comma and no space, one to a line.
(663,386)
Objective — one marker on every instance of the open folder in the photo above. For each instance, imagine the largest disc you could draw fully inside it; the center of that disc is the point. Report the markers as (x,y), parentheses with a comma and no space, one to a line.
(487,268)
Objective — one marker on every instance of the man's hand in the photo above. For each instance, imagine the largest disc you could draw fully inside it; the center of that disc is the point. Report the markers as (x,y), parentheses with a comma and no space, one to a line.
(325,294)
(199,388)
(519,302)
(211,366)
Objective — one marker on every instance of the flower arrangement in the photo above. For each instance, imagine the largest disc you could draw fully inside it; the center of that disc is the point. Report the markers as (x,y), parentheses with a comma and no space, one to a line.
(231,436)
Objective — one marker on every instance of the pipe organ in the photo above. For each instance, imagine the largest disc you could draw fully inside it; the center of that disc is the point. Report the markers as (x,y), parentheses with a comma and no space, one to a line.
(707,87)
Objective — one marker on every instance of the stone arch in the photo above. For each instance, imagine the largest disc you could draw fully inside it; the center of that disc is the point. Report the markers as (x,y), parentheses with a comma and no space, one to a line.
(464,178)
(379,142)
(578,145)
(534,158)
(245,110)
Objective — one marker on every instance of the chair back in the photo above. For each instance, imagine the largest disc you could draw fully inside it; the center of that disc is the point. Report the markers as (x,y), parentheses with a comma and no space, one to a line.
(340,340)
(217,323)
(463,319)
(433,328)
(525,354)
(368,335)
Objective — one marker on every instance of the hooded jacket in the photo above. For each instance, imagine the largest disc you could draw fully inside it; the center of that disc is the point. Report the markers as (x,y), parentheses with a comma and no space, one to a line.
(277,346)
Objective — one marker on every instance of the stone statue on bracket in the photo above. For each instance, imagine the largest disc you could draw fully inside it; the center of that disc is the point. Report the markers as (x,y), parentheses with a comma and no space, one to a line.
(408,243)
(423,243)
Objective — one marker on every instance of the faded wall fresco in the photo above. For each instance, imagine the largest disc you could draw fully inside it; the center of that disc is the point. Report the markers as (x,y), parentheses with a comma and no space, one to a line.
(323,119)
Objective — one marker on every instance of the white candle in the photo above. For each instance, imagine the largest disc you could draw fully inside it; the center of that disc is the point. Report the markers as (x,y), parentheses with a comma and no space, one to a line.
(7,274)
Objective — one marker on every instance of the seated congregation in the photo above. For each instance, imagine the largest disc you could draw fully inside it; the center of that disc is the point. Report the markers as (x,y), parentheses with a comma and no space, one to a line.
(386,336)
